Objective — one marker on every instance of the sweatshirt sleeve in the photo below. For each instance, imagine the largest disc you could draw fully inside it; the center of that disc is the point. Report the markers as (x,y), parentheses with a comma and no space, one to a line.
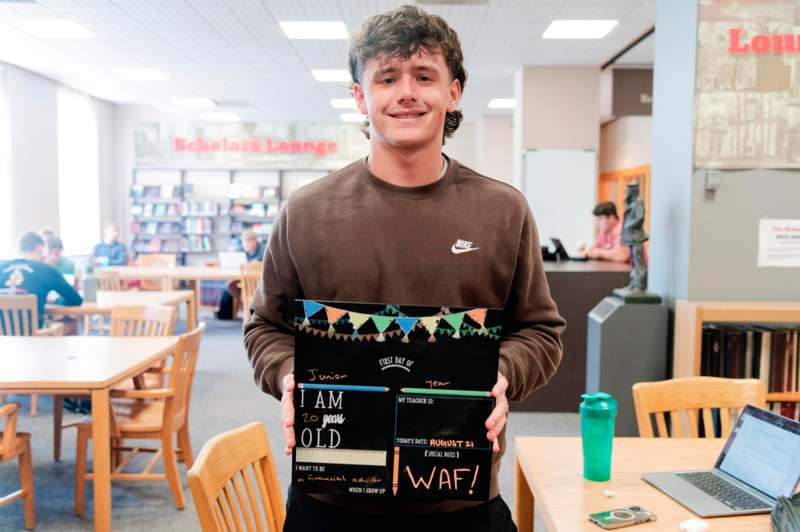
(68,296)
(268,336)
(531,348)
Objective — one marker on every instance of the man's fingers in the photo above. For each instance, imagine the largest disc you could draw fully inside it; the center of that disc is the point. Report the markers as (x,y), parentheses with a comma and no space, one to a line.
(499,412)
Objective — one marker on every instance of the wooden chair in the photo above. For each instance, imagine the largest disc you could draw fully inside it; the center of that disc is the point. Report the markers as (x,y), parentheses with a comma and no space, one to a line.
(18,444)
(109,281)
(161,260)
(234,481)
(157,320)
(251,275)
(151,414)
(19,316)
(689,399)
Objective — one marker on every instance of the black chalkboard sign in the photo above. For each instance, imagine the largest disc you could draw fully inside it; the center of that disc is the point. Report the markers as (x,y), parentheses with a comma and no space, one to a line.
(391,400)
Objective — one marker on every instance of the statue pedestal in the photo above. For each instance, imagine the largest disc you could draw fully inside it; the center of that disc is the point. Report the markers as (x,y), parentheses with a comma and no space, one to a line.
(635,296)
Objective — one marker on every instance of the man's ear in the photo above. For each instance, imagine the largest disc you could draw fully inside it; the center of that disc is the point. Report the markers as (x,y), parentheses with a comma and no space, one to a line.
(455,95)
(358,94)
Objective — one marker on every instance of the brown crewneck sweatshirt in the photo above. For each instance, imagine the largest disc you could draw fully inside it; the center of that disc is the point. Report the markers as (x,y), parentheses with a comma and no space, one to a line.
(351,236)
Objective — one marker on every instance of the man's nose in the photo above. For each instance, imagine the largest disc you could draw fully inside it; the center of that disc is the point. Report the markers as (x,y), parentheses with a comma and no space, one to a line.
(407,90)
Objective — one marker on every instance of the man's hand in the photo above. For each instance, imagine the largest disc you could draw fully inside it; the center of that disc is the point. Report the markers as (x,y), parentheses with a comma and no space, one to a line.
(497,419)
(287,412)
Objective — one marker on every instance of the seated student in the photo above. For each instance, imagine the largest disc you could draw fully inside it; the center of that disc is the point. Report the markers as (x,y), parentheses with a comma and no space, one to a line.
(608,242)
(110,252)
(30,275)
(54,249)
(248,242)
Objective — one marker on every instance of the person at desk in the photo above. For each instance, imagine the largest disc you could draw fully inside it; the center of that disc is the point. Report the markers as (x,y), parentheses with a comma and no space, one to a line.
(54,256)
(110,252)
(254,251)
(30,275)
(608,243)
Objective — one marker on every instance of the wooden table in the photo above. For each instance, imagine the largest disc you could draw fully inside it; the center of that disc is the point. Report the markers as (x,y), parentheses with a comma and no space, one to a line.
(79,365)
(549,471)
(167,275)
(107,300)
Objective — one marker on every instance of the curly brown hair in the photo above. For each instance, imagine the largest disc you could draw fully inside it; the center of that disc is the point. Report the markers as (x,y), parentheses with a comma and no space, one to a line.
(403,33)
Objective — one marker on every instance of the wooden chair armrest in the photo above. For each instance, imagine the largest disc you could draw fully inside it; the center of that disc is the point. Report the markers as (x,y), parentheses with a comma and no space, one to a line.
(162,371)
(57,329)
(153,393)
(10,412)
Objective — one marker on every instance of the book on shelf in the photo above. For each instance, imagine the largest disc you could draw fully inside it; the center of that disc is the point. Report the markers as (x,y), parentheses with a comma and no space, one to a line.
(765,352)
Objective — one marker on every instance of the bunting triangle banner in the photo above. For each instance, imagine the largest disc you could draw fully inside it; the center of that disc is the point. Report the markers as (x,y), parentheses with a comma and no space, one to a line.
(382,322)
(478,314)
(334,314)
(430,323)
(406,324)
(358,319)
(311,308)
(455,320)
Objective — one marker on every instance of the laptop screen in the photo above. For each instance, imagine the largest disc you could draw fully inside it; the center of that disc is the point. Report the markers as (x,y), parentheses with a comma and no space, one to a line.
(763,451)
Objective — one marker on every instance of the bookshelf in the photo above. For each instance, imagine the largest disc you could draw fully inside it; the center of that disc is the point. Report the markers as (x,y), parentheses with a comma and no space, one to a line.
(196,212)
(691,315)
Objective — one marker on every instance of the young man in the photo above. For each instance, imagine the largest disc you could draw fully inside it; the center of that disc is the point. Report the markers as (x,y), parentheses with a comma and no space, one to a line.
(54,255)
(407,225)
(110,252)
(30,275)
(608,242)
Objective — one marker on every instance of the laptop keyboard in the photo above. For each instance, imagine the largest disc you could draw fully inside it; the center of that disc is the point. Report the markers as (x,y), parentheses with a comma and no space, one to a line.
(723,491)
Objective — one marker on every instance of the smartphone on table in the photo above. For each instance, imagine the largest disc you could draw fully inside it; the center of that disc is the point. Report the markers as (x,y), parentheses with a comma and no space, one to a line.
(632,515)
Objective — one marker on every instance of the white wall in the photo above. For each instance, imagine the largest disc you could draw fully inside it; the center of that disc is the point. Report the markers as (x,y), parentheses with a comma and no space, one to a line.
(32,102)
(625,143)
(494,147)
(33,107)
(461,146)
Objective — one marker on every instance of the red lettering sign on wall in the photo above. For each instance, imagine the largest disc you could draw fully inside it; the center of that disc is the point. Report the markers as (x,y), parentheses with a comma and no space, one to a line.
(762,43)
(319,148)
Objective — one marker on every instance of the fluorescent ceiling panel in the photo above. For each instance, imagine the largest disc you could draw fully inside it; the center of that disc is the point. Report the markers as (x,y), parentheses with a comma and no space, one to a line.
(352,117)
(502,103)
(331,75)
(221,117)
(193,102)
(579,29)
(343,103)
(140,74)
(314,29)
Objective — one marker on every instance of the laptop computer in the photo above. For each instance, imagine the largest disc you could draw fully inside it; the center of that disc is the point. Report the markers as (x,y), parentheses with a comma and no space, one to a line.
(760,461)
(561,251)
(231,259)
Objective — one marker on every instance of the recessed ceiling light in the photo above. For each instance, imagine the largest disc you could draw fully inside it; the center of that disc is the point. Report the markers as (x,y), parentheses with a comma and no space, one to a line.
(344,103)
(193,102)
(352,117)
(331,75)
(140,74)
(314,29)
(55,29)
(502,103)
(221,117)
(579,29)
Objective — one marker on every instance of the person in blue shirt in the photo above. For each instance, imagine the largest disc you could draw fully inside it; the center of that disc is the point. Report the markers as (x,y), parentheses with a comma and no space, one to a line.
(110,252)
(30,275)
(254,251)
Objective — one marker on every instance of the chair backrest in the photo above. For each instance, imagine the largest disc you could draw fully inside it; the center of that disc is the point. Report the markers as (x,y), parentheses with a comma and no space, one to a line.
(151,320)
(109,281)
(687,401)
(181,373)
(19,315)
(234,483)
(161,260)
(251,275)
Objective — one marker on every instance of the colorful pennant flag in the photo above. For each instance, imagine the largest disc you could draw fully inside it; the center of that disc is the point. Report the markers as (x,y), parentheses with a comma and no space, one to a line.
(455,321)
(334,314)
(382,323)
(406,325)
(430,323)
(358,319)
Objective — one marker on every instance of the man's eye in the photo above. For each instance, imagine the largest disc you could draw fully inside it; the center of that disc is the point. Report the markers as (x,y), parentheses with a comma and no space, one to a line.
(387,81)
(425,78)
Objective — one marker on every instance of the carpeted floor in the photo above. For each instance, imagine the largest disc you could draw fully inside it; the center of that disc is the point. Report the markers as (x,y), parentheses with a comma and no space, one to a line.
(224,397)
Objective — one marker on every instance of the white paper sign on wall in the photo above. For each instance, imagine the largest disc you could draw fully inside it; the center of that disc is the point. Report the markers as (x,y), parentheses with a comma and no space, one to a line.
(779,243)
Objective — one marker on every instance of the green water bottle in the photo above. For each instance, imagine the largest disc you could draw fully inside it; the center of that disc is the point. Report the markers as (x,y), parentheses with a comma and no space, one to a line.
(598,411)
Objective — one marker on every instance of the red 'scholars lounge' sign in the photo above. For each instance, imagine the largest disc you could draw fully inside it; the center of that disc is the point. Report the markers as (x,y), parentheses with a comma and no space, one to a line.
(320,148)
(762,43)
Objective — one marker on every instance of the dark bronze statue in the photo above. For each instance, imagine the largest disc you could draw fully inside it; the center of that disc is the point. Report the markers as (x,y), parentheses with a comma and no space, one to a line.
(633,235)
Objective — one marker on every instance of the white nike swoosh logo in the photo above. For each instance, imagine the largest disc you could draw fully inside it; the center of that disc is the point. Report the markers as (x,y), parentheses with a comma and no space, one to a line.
(457,251)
